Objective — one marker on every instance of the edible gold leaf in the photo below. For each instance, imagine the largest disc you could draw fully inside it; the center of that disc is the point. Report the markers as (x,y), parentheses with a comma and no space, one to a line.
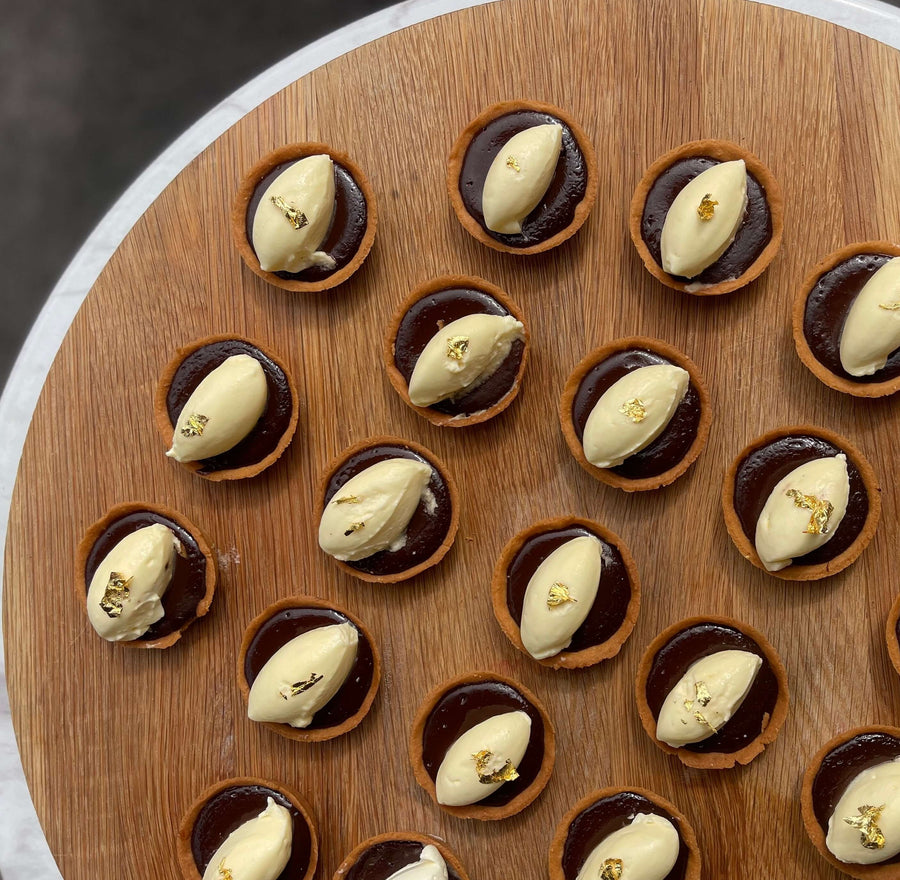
(611,869)
(354,527)
(513,163)
(293,215)
(702,697)
(195,424)
(871,836)
(820,511)
(559,595)
(298,687)
(633,409)
(457,346)
(707,207)
(703,694)
(890,307)
(483,759)
(224,873)
(347,499)
(115,594)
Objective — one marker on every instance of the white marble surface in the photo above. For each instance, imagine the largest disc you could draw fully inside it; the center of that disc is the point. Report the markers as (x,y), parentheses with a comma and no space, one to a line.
(24,854)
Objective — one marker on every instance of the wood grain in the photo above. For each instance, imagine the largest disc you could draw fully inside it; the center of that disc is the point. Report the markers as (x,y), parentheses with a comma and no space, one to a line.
(116,744)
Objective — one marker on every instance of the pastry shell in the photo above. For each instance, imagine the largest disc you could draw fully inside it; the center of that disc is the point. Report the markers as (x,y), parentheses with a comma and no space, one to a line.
(450,857)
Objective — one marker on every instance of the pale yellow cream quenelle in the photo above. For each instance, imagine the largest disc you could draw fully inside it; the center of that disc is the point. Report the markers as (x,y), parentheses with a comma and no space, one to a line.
(871,330)
(645,849)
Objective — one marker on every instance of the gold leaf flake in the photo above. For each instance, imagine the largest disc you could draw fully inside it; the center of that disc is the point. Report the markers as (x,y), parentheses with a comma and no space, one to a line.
(115,594)
(707,207)
(871,836)
(702,697)
(354,527)
(298,687)
(820,511)
(703,694)
(293,215)
(483,759)
(195,424)
(633,409)
(223,872)
(559,594)
(513,163)
(890,307)
(347,499)
(611,869)
(457,346)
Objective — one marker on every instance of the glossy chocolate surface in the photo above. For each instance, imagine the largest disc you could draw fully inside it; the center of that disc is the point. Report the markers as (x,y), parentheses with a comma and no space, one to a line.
(425,532)
(292,622)
(383,859)
(272,424)
(348,223)
(753,233)
(556,209)
(613,594)
(460,709)
(667,450)
(188,585)
(764,468)
(827,307)
(433,312)
(694,643)
(229,809)
(608,815)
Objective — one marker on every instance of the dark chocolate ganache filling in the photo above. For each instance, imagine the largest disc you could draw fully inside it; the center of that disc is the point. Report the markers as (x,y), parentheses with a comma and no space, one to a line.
(667,450)
(701,640)
(613,593)
(556,209)
(759,473)
(430,315)
(289,623)
(827,307)
(751,238)
(384,859)
(268,431)
(430,521)
(348,222)
(460,709)
(188,585)
(226,811)
(608,815)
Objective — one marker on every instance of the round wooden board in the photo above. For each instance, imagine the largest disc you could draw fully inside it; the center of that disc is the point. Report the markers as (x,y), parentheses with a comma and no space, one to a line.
(117,743)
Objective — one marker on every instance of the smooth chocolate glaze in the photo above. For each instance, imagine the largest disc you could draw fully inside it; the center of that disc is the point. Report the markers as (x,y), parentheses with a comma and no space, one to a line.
(667,450)
(188,585)
(348,222)
(701,640)
(292,622)
(425,532)
(753,233)
(429,315)
(759,473)
(460,709)
(383,859)
(608,815)
(613,594)
(272,424)
(827,308)
(229,809)
(556,209)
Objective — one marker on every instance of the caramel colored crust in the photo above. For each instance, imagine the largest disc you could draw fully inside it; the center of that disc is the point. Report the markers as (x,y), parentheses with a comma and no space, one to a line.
(823,569)
(118,512)
(890,634)
(458,153)
(447,854)
(448,282)
(819,370)
(183,841)
(573,383)
(714,760)
(686,832)
(474,811)
(441,552)
(318,734)
(167,429)
(288,153)
(814,830)
(724,151)
(565,659)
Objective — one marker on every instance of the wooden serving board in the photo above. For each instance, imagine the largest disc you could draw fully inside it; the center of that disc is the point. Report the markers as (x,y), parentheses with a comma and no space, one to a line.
(116,743)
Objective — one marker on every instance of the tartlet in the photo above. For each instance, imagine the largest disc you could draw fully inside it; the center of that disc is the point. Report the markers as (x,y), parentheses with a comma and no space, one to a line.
(385,854)
(352,229)
(892,634)
(422,315)
(758,236)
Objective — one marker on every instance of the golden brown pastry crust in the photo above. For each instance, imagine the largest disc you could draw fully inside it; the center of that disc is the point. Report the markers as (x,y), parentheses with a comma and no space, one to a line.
(458,153)
(714,760)
(447,854)
(566,659)
(476,811)
(890,634)
(318,734)
(435,285)
(288,153)
(598,355)
(724,151)
(122,510)
(823,569)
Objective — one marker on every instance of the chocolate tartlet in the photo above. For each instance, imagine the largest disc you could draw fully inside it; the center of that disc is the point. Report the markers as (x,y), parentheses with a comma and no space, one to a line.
(351,232)
(614,611)
(758,235)
(756,721)
(193,583)
(428,309)
(606,811)
(271,435)
(460,704)
(224,807)
(682,440)
(892,634)
(289,618)
(820,311)
(379,857)
(567,201)
(765,462)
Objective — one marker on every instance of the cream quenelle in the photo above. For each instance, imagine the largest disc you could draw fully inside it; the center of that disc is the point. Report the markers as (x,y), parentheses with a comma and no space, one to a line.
(871,329)
(430,866)
(645,849)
